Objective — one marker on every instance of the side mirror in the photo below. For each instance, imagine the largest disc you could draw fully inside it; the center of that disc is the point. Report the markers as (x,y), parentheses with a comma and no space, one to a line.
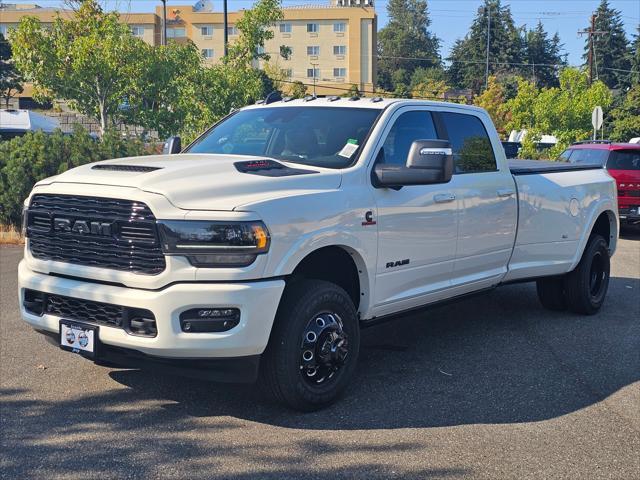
(429,162)
(172,145)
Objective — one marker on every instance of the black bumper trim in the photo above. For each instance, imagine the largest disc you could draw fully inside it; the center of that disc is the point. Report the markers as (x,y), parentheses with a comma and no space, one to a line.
(228,370)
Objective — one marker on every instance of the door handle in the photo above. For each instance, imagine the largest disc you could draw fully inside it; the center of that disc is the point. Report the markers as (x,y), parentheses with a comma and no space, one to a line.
(444,197)
(506,192)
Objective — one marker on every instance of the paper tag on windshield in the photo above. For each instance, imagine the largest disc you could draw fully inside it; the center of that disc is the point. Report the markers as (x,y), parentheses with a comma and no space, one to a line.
(348,150)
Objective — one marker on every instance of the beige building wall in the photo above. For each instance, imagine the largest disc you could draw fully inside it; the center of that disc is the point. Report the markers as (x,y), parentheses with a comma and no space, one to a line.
(352,29)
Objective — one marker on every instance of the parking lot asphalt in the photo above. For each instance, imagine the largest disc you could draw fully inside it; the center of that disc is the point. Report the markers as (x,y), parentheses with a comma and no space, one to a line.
(490,387)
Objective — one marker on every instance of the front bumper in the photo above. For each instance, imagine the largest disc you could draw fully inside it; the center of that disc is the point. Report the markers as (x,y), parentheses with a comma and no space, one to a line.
(257,302)
(629,213)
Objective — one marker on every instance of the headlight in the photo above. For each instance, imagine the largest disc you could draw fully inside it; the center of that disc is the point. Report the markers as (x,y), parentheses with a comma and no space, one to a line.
(23,230)
(214,244)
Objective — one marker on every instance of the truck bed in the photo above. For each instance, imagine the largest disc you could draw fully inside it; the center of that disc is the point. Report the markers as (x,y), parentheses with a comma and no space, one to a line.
(532,167)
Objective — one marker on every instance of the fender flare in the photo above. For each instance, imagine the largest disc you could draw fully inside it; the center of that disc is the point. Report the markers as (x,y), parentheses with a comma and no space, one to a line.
(608,207)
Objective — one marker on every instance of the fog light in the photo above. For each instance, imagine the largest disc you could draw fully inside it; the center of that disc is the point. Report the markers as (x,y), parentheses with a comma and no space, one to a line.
(200,320)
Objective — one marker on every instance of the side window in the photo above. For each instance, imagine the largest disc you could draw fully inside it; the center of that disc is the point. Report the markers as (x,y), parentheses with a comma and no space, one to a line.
(408,127)
(472,150)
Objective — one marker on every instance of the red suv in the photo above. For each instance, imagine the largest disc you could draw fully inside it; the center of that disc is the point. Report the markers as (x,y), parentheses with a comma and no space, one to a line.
(622,161)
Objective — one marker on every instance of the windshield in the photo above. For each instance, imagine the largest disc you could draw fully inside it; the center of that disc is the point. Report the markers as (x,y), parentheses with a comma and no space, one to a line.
(588,156)
(624,160)
(318,136)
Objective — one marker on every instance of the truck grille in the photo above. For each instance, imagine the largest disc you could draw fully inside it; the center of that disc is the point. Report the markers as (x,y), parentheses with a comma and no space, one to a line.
(93,231)
(135,321)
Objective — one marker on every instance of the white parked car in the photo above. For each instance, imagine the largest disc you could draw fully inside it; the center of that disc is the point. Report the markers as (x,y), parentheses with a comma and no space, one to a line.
(263,248)
(15,123)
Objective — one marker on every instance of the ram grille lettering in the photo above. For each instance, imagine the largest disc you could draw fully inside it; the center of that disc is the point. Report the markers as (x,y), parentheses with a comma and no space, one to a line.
(82,227)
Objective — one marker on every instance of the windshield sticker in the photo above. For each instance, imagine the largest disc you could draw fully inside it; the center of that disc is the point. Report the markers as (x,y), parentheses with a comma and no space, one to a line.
(348,150)
(352,141)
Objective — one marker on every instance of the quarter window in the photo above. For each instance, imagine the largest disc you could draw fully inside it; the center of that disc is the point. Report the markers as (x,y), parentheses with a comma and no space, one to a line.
(472,150)
(409,127)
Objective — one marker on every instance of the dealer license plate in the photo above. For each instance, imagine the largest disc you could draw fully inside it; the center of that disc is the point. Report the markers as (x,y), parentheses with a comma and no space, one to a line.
(79,338)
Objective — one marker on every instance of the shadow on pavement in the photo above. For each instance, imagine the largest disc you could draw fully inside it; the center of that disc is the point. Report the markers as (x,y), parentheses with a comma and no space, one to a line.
(494,359)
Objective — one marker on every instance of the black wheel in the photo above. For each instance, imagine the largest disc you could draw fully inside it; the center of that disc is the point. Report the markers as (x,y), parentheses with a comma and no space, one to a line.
(586,286)
(551,293)
(313,349)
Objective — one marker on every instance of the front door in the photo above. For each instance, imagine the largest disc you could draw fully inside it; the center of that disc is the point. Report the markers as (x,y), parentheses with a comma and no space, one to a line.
(417,225)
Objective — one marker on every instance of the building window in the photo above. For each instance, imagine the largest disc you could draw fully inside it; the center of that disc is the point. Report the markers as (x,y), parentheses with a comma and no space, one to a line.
(206,31)
(313,50)
(3,30)
(339,49)
(313,73)
(287,72)
(313,27)
(207,52)
(232,30)
(285,28)
(340,72)
(135,31)
(339,27)
(176,33)
(260,50)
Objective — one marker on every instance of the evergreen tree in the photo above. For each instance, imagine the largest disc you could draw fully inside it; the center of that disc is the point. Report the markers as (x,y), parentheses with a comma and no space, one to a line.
(543,55)
(635,59)
(10,78)
(469,54)
(406,44)
(611,50)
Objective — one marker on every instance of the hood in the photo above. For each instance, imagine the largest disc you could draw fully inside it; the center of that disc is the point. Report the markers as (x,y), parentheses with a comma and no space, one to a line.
(206,181)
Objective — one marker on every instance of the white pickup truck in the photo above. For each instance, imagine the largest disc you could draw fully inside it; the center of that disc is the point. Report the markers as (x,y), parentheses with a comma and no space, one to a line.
(262,249)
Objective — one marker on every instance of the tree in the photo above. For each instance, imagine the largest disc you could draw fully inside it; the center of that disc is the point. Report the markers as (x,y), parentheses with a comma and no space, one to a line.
(563,111)
(611,50)
(255,29)
(506,48)
(625,119)
(635,58)
(298,89)
(492,100)
(87,60)
(406,44)
(10,78)
(543,55)
(153,95)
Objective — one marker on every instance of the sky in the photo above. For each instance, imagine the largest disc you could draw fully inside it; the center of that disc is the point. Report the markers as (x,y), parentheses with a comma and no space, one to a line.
(450,19)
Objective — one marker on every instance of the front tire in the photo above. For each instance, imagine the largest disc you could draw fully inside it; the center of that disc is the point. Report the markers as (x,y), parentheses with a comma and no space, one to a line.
(314,345)
(586,286)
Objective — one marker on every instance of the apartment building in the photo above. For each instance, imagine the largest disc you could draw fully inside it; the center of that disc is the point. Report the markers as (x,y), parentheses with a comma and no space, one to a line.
(331,47)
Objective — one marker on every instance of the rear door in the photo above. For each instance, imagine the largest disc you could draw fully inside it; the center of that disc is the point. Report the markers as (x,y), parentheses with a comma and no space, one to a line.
(486,199)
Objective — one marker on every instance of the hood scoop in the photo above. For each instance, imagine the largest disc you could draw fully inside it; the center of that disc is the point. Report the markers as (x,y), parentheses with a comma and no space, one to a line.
(125,168)
(269,168)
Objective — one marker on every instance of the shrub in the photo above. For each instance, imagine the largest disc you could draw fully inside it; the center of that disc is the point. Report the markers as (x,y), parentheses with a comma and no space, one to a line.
(35,156)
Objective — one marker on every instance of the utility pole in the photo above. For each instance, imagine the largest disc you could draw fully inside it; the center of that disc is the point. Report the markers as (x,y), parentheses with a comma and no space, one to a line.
(486,73)
(226,27)
(591,32)
(163,38)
